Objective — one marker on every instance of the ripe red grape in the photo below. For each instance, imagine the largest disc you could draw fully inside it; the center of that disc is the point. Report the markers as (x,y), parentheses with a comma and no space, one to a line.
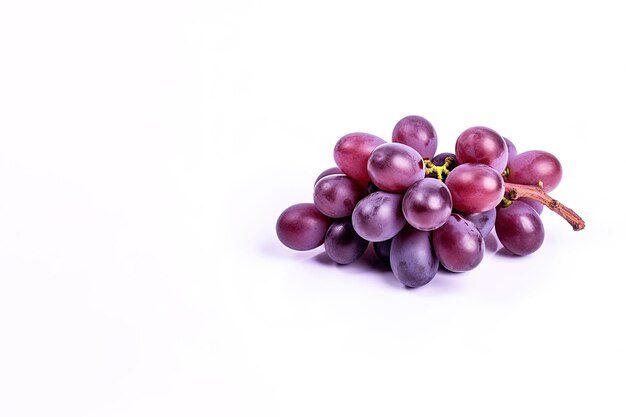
(475,188)
(302,227)
(412,258)
(519,228)
(342,244)
(427,204)
(394,167)
(484,221)
(418,133)
(458,244)
(378,216)
(482,145)
(327,172)
(336,195)
(351,154)
(533,166)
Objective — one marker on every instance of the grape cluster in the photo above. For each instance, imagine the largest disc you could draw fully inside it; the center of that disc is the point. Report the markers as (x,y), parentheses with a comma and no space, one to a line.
(421,210)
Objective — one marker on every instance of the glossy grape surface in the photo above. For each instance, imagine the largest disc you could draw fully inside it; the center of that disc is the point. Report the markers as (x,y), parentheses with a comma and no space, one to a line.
(511,150)
(458,244)
(418,133)
(533,203)
(327,172)
(519,228)
(427,204)
(351,154)
(394,167)
(484,221)
(342,244)
(482,145)
(475,188)
(533,166)
(378,216)
(337,195)
(412,258)
(302,227)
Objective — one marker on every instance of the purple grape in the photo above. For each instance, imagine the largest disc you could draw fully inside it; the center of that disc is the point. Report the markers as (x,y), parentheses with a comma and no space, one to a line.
(327,172)
(418,133)
(511,150)
(413,261)
(351,154)
(427,204)
(378,216)
(475,188)
(519,228)
(382,250)
(482,145)
(302,227)
(533,203)
(484,221)
(337,195)
(372,188)
(343,245)
(394,167)
(458,244)
(533,166)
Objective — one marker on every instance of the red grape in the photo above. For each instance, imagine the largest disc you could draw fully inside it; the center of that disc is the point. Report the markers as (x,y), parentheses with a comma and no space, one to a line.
(533,166)
(475,188)
(394,167)
(519,228)
(418,133)
(482,145)
(302,227)
(351,154)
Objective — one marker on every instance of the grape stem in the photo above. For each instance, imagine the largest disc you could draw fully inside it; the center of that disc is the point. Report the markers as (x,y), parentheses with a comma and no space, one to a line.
(536,192)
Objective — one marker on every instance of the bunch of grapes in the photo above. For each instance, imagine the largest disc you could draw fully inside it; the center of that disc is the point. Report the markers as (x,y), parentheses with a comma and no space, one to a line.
(421,210)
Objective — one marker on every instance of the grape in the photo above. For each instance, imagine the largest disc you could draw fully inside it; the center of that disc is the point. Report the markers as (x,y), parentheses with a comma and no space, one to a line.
(458,244)
(484,221)
(511,150)
(413,261)
(378,216)
(372,188)
(343,245)
(482,145)
(302,227)
(519,228)
(427,204)
(533,203)
(351,154)
(336,195)
(475,188)
(382,250)
(327,172)
(418,133)
(533,166)
(394,167)
(439,160)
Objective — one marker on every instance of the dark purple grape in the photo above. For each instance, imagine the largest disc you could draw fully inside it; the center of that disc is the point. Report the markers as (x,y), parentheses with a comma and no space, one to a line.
(378,216)
(343,245)
(427,204)
(519,228)
(533,203)
(533,166)
(484,221)
(372,188)
(458,244)
(482,145)
(439,160)
(302,227)
(337,195)
(394,167)
(418,133)
(382,250)
(351,154)
(327,172)
(412,258)
(512,150)
(475,188)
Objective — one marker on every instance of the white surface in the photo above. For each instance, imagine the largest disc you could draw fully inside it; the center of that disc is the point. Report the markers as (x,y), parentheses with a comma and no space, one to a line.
(147,148)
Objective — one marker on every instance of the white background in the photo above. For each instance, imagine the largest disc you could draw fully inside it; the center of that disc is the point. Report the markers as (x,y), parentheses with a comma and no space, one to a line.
(147,148)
